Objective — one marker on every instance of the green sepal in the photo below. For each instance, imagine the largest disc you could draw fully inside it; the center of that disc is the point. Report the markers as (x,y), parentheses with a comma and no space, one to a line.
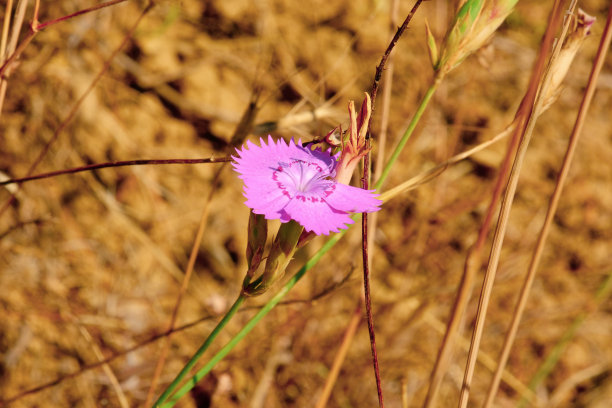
(281,253)
(257,236)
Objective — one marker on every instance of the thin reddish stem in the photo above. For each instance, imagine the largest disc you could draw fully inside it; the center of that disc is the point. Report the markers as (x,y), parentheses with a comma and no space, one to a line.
(364,217)
(381,66)
(124,163)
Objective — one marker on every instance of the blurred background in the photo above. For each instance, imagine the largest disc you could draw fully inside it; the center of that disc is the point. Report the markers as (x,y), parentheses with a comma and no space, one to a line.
(91,263)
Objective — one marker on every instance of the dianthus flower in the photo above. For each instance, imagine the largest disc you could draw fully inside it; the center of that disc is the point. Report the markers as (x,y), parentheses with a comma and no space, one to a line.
(290,182)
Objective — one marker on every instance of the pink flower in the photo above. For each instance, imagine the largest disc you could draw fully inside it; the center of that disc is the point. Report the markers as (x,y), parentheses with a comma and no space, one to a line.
(290,182)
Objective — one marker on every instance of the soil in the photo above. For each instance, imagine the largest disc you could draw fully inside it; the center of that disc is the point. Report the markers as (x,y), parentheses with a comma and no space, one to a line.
(91,264)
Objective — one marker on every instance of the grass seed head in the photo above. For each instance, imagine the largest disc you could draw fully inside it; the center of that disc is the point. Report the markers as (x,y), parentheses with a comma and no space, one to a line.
(474,24)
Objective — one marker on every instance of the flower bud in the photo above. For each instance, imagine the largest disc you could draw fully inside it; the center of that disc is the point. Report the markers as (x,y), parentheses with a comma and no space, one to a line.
(257,236)
(280,255)
(432,48)
(474,23)
(354,143)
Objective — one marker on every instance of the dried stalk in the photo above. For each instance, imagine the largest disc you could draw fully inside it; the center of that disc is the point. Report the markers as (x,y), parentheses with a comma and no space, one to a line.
(552,208)
(524,129)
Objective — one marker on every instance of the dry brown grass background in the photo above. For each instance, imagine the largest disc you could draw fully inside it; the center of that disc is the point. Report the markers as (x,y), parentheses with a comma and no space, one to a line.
(91,264)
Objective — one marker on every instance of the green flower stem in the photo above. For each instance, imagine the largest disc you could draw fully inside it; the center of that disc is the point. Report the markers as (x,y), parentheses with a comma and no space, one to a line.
(413,123)
(228,316)
(162,403)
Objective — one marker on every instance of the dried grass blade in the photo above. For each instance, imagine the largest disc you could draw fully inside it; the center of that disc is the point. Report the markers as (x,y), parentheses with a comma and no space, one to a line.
(5,48)
(552,207)
(524,130)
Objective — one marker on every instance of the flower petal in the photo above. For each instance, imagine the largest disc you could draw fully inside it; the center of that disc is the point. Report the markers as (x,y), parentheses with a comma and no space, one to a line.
(317,217)
(269,205)
(254,161)
(353,199)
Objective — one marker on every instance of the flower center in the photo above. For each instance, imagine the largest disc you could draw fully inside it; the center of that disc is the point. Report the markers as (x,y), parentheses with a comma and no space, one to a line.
(302,178)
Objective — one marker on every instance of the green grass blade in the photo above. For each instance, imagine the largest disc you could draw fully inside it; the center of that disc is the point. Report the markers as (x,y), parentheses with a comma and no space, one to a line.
(409,130)
(198,354)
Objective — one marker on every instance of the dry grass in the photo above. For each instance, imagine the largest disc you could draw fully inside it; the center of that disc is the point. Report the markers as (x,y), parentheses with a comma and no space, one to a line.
(91,264)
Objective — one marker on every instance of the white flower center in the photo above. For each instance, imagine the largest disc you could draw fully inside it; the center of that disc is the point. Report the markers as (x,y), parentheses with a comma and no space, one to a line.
(300,177)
